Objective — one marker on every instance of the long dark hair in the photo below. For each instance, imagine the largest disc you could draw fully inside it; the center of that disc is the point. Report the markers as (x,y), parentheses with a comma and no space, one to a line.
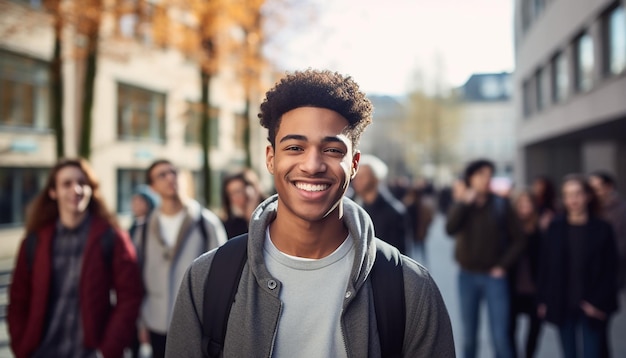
(43,210)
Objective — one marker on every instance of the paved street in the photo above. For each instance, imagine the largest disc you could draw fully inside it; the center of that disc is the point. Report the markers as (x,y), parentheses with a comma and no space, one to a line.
(444,270)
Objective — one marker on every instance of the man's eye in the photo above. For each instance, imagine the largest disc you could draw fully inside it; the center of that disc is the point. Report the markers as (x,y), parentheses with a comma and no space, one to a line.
(293,148)
(334,150)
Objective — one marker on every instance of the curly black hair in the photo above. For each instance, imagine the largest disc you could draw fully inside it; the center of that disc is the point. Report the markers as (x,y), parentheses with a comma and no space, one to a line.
(321,89)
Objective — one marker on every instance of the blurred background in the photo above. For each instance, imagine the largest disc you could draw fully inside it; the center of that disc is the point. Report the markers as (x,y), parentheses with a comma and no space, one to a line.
(537,86)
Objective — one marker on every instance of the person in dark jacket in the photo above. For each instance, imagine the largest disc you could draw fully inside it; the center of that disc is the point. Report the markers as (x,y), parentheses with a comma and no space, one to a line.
(577,277)
(488,243)
(523,276)
(60,296)
(389,215)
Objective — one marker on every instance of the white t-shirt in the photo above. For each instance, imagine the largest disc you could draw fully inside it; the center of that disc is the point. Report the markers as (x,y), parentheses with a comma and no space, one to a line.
(170,226)
(312,296)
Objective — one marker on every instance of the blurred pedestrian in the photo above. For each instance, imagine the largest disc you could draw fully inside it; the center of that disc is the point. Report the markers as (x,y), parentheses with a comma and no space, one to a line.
(613,211)
(142,203)
(177,233)
(523,276)
(391,222)
(420,214)
(241,194)
(577,276)
(73,257)
(544,196)
(489,241)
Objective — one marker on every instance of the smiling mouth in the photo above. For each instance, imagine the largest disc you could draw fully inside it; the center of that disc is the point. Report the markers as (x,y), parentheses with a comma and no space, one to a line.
(312,187)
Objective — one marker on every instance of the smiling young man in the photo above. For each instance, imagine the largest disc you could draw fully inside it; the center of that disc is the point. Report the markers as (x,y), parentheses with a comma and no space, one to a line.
(306,289)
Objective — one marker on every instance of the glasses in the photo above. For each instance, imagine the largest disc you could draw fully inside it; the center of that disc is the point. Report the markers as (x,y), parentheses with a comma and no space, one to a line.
(162,175)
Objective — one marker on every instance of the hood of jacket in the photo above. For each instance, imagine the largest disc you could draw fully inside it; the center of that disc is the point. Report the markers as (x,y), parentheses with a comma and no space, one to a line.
(355,218)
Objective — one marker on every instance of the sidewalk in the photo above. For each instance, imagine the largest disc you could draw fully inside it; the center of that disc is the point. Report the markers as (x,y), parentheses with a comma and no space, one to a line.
(441,263)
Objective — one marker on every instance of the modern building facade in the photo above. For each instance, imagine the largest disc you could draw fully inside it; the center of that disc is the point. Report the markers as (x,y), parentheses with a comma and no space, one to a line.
(145,107)
(570,82)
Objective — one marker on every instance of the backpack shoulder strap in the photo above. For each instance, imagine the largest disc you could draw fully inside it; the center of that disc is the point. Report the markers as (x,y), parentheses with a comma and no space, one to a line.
(219,292)
(205,236)
(388,288)
(108,242)
(31,247)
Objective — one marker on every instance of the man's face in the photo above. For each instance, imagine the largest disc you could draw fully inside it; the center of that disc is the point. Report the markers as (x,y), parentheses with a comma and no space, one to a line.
(365,181)
(481,179)
(71,190)
(312,162)
(164,180)
(602,190)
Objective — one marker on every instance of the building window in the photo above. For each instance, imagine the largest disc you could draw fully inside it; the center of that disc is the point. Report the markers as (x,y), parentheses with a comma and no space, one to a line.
(615,32)
(560,78)
(584,63)
(539,93)
(18,187)
(128,180)
(24,92)
(528,98)
(193,129)
(140,114)
(35,4)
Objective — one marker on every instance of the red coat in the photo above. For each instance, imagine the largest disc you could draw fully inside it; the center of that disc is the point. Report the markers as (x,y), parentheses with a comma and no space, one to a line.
(106,327)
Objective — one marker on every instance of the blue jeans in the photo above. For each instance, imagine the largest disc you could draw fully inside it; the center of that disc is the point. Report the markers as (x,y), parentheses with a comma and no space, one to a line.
(577,326)
(473,288)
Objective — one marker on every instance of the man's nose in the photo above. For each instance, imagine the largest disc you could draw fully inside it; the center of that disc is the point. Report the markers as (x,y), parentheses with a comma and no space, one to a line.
(313,162)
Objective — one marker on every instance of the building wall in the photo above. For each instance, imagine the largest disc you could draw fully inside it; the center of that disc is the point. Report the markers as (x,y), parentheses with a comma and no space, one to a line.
(584,131)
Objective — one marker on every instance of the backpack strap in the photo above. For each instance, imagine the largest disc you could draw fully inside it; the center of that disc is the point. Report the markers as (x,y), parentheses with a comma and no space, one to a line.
(31,247)
(203,232)
(108,243)
(220,289)
(223,279)
(389,303)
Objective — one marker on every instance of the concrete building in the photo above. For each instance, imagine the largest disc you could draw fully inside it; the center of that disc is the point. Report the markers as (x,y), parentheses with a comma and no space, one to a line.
(570,82)
(487,121)
(145,108)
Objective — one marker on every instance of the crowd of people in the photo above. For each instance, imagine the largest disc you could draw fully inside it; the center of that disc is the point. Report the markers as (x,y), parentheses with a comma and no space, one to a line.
(320,267)
(559,261)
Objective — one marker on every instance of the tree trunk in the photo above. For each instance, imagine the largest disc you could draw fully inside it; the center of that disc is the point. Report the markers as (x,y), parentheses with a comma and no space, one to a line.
(56,89)
(88,93)
(246,132)
(205,136)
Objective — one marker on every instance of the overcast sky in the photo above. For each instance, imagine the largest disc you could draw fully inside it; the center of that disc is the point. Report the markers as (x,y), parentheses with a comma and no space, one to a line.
(382,43)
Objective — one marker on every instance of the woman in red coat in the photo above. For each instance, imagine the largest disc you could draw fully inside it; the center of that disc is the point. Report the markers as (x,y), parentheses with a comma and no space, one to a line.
(76,286)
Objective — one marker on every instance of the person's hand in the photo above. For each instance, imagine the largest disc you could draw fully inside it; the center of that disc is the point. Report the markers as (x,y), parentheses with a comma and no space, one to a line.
(591,311)
(545,219)
(497,272)
(462,193)
(541,310)
(143,335)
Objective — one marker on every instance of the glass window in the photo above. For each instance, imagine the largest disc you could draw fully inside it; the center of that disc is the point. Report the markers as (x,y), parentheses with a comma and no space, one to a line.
(18,187)
(528,98)
(24,92)
(616,41)
(127,182)
(140,114)
(560,78)
(194,125)
(584,63)
(539,93)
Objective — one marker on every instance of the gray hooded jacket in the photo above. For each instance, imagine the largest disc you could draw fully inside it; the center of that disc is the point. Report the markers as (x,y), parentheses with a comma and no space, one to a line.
(254,316)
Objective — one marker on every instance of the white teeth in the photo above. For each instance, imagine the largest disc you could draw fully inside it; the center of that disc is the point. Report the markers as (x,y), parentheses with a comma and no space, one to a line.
(312,187)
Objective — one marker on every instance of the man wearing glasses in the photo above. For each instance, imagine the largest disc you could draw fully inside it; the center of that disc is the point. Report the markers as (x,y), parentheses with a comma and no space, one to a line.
(179,231)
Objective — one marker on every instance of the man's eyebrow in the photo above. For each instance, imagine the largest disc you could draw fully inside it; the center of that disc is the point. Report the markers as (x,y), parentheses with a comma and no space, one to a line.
(328,139)
(293,137)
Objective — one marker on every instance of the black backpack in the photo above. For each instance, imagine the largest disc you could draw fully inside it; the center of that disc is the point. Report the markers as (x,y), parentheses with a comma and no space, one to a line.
(226,269)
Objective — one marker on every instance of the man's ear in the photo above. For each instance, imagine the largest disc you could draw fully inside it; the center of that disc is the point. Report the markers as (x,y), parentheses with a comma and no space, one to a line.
(355,164)
(269,158)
